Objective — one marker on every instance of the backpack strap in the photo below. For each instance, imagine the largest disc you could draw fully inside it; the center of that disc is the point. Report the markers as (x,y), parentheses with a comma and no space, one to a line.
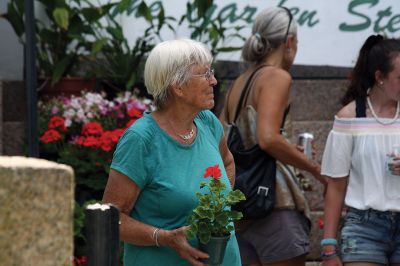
(360,107)
(244,94)
(284,118)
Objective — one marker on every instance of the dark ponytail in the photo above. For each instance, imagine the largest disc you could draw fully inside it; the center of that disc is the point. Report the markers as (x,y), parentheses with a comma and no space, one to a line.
(363,75)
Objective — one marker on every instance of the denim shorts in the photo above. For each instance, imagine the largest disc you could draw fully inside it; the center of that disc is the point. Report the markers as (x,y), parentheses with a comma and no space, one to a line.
(371,236)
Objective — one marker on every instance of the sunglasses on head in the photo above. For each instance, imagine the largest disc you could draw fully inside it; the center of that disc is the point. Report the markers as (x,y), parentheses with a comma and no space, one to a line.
(290,22)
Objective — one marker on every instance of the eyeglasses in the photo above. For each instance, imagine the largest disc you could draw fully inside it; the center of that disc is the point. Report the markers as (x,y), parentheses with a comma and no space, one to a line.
(290,21)
(207,75)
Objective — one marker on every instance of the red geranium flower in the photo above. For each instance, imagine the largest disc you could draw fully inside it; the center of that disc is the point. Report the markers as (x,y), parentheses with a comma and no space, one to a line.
(117,133)
(135,113)
(50,136)
(106,142)
(80,261)
(79,140)
(213,171)
(57,122)
(92,129)
(213,212)
(90,142)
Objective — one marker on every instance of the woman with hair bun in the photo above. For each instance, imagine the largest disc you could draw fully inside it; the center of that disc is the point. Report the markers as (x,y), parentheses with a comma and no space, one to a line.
(282,237)
(361,158)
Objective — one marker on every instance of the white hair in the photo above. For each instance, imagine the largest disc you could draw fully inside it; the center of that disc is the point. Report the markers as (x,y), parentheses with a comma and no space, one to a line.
(169,63)
(269,31)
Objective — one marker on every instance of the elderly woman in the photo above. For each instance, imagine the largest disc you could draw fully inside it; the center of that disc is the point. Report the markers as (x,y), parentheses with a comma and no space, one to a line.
(159,162)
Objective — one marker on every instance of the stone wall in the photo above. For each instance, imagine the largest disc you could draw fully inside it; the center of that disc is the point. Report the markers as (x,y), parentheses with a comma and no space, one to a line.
(36,212)
(14,110)
(1,116)
(314,104)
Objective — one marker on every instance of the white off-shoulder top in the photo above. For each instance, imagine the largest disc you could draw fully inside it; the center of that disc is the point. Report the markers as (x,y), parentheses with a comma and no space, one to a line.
(358,148)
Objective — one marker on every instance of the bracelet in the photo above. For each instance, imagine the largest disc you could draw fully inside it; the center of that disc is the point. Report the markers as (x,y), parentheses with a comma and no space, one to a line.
(155,236)
(328,241)
(328,255)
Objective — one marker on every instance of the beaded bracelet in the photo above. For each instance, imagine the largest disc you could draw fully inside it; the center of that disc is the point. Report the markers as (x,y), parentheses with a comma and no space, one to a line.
(328,255)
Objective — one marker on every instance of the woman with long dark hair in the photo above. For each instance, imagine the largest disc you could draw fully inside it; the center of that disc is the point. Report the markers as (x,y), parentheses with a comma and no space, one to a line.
(363,165)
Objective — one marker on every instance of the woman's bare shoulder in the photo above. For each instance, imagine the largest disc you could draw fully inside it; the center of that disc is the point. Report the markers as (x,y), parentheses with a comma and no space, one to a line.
(273,78)
(348,111)
(277,73)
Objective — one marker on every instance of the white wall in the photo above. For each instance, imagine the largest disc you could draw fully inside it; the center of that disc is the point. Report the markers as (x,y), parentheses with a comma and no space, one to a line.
(11,51)
(323,39)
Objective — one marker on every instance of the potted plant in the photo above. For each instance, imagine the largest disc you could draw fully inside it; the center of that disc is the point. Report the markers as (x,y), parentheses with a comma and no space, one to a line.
(64,31)
(212,220)
(82,131)
(212,32)
(119,64)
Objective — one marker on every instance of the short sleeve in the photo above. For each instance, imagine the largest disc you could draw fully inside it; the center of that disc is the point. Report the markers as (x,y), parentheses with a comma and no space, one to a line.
(336,160)
(129,158)
(213,123)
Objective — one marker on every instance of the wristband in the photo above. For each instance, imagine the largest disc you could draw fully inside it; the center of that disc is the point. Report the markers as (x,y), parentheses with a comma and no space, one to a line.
(328,241)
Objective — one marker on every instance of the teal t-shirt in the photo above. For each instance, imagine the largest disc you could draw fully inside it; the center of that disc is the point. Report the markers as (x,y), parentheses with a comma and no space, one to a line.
(169,174)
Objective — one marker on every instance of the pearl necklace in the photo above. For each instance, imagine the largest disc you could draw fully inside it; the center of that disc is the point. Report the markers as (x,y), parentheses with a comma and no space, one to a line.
(389,122)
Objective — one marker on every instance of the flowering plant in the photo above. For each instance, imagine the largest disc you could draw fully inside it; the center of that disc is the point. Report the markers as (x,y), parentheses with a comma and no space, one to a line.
(213,215)
(83,131)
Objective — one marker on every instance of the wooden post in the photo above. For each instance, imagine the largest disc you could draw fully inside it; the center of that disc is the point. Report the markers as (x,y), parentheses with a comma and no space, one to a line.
(102,233)
(30,78)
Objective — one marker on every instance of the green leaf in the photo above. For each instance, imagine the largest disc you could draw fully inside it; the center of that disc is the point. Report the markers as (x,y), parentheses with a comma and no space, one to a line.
(204,237)
(235,215)
(202,6)
(98,45)
(60,68)
(131,81)
(132,7)
(19,4)
(213,34)
(222,219)
(204,213)
(230,228)
(14,17)
(91,14)
(123,5)
(190,234)
(144,11)
(61,17)
(161,18)
(116,32)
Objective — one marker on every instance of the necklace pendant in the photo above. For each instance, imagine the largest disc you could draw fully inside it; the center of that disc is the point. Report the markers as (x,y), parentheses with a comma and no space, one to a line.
(187,136)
